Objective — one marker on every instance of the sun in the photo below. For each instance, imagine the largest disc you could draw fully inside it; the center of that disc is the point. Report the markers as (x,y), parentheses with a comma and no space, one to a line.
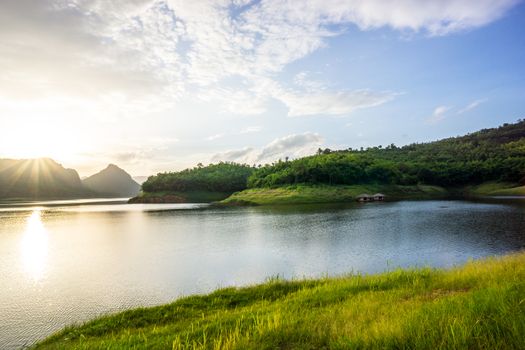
(39,140)
(56,126)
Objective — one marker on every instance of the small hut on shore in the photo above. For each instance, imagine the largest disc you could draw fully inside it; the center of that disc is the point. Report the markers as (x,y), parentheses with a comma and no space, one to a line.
(365,198)
(379,197)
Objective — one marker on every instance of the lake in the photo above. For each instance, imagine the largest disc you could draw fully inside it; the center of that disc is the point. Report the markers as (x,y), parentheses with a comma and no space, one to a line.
(70,261)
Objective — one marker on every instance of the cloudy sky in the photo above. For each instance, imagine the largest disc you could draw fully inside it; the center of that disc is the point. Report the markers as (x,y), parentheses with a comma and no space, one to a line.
(156,85)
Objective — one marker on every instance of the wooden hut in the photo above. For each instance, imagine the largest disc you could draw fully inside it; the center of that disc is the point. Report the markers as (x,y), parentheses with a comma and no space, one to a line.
(379,197)
(364,198)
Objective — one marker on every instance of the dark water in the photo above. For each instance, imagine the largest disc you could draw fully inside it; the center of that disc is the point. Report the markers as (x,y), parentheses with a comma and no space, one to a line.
(64,264)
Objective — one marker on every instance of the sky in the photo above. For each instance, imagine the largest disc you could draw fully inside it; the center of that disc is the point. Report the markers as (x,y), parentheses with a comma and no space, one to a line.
(161,85)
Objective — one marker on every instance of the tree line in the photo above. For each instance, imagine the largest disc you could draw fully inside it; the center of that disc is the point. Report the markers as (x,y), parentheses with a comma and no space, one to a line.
(221,177)
(487,155)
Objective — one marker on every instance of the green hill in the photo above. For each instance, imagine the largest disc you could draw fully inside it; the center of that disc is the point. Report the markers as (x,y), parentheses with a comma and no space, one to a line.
(199,184)
(490,161)
(487,162)
(487,155)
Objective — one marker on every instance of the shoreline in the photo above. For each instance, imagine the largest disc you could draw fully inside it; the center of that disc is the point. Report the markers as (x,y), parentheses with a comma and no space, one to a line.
(312,194)
(179,197)
(479,304)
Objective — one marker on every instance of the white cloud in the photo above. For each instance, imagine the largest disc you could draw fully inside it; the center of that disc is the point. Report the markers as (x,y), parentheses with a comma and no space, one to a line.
(333,103)
(321,100)
(471,106)
(245,155)
(247,130)
(438,115)
(434,17)
(167,48)
(235,101)
(440,112)
(70,68)
(215,137)
(86,48)
(304,80)
(250,130)
(291,146)
(313,97)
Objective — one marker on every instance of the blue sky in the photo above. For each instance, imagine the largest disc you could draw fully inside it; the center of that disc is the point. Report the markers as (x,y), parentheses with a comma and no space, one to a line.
(157,85)
(484,64)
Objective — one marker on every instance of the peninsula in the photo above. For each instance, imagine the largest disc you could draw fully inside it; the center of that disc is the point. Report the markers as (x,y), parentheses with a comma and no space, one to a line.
(486,162)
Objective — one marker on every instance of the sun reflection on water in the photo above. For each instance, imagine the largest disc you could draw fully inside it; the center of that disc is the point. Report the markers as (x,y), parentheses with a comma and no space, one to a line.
(34,246)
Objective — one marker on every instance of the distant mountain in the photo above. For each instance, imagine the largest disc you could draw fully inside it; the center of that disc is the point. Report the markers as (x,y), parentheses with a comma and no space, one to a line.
(39,178)
(112,181)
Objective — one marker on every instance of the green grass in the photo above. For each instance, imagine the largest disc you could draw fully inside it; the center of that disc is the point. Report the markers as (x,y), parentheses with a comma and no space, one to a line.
(477,306)
(308,194)
(303,194)
(179,197)
(497,189)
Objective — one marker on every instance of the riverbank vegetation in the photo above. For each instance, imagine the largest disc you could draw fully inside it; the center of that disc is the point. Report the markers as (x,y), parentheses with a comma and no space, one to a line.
(302,194)
(477,306)
(180,197)
(487,162)
(496,189)
(221,177)
(199,184)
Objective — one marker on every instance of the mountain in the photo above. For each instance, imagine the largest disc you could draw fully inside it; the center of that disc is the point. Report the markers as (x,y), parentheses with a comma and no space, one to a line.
(112,181)
(39,178)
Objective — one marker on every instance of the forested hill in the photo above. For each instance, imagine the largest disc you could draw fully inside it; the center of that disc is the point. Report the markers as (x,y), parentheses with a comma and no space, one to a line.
(496,154)
(221,177)
(487,155)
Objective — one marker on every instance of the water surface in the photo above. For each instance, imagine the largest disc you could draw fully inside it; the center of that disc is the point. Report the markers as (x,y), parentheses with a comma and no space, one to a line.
(62,263)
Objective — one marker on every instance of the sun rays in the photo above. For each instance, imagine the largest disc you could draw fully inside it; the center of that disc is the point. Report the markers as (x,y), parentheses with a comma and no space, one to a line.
(31,173)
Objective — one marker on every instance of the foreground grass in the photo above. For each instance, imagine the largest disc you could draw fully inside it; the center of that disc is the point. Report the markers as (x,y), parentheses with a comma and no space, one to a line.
(478,306)
(303,194)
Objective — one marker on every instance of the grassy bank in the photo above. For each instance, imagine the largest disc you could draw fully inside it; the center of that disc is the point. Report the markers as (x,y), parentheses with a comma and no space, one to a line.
(302,194)
(497,189)
(180,197)
(305,194)
(478,306)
